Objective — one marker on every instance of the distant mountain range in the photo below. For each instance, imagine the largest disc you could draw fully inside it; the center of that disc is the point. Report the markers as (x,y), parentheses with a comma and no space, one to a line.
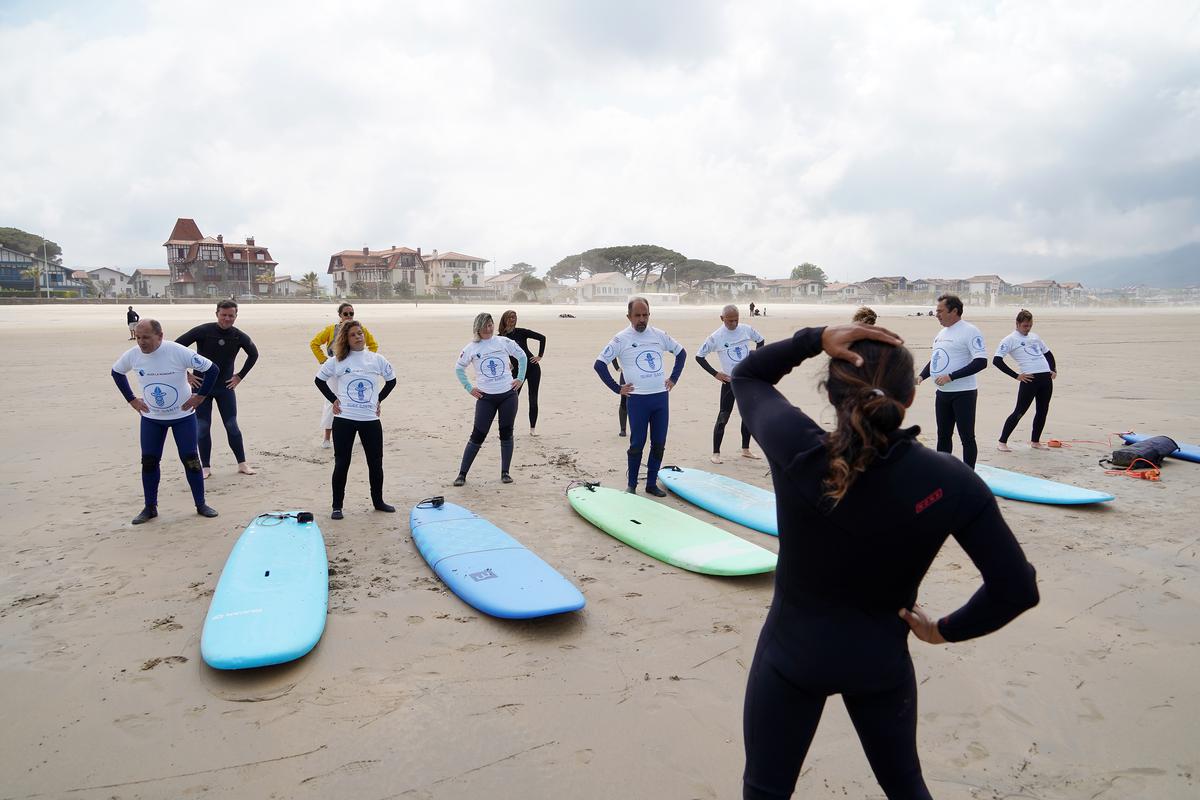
(1170,269)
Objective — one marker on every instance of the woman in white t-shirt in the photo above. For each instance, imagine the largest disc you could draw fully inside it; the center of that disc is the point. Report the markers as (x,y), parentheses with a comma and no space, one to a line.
(495,391)
(356,381)
(1036,378)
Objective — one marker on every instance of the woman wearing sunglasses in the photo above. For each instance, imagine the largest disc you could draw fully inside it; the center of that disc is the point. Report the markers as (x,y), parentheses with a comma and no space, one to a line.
(322,347)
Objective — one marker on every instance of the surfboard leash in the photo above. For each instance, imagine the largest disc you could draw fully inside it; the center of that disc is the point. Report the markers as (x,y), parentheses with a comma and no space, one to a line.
(436,501)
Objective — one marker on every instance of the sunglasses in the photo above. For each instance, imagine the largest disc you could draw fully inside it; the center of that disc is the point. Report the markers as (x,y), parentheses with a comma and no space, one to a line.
(347,313)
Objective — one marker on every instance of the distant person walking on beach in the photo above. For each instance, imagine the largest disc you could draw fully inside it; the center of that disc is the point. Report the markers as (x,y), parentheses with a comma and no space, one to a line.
(641,352)
(166,404)
(220,342)
(322,348)
(356,382)
(732,342)
(533,372)
(495,391)
(864,315)
(863,511)
(131,319)
(1036,379)
(958,353)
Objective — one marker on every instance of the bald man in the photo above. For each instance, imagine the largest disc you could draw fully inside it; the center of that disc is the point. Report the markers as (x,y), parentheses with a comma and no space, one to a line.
(732,343)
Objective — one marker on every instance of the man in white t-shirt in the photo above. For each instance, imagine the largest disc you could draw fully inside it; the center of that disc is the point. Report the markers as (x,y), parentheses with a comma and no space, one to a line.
(166,404)
(958,354)
(732,342)
(641,350)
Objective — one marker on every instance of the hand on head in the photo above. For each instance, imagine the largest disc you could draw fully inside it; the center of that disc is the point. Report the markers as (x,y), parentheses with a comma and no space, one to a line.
(836,340)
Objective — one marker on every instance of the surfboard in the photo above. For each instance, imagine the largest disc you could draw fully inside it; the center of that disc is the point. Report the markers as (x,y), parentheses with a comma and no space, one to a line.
(1016,486)
(667,534)
(726,497)
(1186,452)
(486,567)
(271,599)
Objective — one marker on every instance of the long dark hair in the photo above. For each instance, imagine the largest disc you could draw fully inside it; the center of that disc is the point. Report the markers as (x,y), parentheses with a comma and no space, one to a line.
(870,402)
(508,323)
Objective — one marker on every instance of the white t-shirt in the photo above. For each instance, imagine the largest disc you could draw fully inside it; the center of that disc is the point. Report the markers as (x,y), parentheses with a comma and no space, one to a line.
(162,377)
(642,357)
(731,346)
(357,381)
(1028,351)
(954,348)
(490,357)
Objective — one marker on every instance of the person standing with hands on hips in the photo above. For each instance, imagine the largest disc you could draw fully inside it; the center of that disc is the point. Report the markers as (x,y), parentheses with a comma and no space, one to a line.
(732,343)
(495,391)
(640,350)
(958,353)
(356,382)
(322,348)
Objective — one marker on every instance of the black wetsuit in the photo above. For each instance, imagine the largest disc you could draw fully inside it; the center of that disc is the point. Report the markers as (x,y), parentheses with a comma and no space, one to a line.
(533,371)
(1041,389)
(844,572)
(725,407)
(957,409)
(221,346)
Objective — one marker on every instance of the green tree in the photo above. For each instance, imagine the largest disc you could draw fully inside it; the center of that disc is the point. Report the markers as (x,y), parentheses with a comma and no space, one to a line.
(22,242)
(360,289)
(578,266)
(520,266)
(34,272)
(812,272)
(311,282)
(694,270)
(533,285)
(519,296)
(457,282)
(403,289)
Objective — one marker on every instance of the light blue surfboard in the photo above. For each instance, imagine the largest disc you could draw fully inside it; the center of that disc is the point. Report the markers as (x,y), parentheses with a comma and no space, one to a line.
(1187,452)
(486,567)
(270,603)
(1015,486)
(726,497)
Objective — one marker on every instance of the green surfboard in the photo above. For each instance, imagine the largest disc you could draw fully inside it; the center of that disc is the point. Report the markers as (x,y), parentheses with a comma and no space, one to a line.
(669,535)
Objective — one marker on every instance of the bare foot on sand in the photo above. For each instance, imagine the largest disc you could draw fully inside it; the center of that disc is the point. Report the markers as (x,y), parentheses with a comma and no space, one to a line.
(206,472)
(747,454)
(1003,448)
(715,458)
(246,469)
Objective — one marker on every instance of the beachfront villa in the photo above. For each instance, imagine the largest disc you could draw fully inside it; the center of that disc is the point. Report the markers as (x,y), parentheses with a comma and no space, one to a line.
(201,266)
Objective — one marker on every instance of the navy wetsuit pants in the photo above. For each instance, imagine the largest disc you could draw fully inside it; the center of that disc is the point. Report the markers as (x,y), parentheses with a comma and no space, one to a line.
(957,409)
(154,438)
(226,402)
(647,412)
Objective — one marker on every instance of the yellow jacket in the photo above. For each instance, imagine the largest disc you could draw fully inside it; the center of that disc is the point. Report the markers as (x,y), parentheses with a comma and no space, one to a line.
(322,343)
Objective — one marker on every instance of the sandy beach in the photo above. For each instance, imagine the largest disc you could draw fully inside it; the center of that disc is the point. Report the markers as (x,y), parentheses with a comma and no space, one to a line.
(413,694)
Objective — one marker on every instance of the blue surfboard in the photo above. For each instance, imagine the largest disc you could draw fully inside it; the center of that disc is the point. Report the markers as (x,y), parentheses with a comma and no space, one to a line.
(270,603)
(1016,486)
(1187,452)
(726,497)
(486,567)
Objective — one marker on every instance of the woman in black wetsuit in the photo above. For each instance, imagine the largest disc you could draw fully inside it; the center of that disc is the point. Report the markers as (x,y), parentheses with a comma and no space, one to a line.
(862,513)
(533,373)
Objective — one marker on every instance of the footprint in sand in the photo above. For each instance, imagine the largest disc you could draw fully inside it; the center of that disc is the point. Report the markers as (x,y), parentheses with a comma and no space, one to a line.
(168,660)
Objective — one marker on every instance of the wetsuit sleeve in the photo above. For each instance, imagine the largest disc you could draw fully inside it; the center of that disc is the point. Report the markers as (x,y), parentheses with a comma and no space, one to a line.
(210,380)
(601,368)
(251,357)
(1009,580)
(522,363)
(761,342)
(998,363)
(1050,361)
(540,339)
(462,378)
(123,385)
(680,360)
(977,365)
(779,427)
(323,387)
(386,390)
(372,345)
(703,362)
(318,340)
(191,337)
(925,371)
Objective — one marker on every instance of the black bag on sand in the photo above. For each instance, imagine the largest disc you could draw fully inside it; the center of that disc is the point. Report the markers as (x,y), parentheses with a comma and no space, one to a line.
(1154,450)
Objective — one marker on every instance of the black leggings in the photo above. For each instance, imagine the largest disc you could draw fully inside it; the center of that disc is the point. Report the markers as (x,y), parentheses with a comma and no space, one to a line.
(726,408)
(533,379)
(371,435)
(1041,388)
(957,409)
(486,409)
(226,402)
(780,718)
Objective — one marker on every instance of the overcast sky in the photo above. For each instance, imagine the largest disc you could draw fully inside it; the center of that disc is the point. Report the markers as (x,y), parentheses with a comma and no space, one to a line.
(870,138)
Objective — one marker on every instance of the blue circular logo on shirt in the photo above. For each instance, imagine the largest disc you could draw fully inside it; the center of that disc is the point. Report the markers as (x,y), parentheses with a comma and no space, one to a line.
(649,361)
(160,395)
(737,352)
(491,367)
(360,390)
(938,361)
(977,342)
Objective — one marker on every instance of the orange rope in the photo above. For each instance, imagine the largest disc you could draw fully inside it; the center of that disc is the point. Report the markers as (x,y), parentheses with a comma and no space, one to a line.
(1153,473)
